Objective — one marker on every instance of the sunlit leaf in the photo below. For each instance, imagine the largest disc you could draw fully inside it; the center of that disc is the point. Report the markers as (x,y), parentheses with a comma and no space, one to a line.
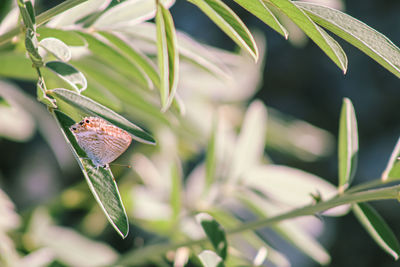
(100,180)
(392,170)
(211,156)
(317,34)
(249,148)
(70,38)
(215,233)
(261,11)
(290,186)
(348,145)
(129,13)
(122,88)
(377,228)
(69,74)
(86,105)
(57,47)
(77,12)
(357,33)
(111,56)
(176,189)
(230,23)
(167,55)
(142,61)
(189,49)
(289,230)
(209,258)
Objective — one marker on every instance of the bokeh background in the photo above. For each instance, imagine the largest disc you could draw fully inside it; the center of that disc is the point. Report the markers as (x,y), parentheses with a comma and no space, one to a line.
(298,80)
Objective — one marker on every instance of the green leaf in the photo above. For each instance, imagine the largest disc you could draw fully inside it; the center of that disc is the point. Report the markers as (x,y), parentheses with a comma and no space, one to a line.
(209,258)
(377,228)
(357,33)
(74,13)
(129,13)
(176,190)
(26,11)
(114,58)
(31,11)
(283,179)
(70,38)
(122,88)
(168,56)
(69,74)
(100,180)
(261,11)
(141,61)
(230,23)
(88,106)
(249,147)
(317,34)
(392,170)
(348,145)
(189,48)
(211,156)
(57,47)
(215,233)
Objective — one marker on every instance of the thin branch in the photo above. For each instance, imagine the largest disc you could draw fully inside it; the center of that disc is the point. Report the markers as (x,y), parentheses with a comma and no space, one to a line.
(139,256)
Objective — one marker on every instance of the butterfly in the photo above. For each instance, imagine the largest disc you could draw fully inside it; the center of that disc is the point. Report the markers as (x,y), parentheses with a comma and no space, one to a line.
(102,141)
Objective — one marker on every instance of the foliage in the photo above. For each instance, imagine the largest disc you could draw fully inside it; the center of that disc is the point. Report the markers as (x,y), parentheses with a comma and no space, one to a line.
(125,61)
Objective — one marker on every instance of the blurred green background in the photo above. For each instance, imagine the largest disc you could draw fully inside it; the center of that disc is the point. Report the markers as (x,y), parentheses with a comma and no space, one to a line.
(297,80)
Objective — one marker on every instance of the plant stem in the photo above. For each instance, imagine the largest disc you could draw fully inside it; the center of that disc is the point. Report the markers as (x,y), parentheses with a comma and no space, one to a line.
(42,18)
(139,256)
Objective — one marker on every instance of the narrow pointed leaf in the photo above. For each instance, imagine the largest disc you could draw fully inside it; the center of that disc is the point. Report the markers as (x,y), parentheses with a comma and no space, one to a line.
(26,11)
(348,145)
(211,156)
(331,48)
(215,233)
(209,258)
(168,56)
(129,13)
(392,170)
(176,190)
(377,228)
(261,11)
(230,23)
(139,59)
(114,58)
(69,74)
(249,147)
(77,12)
(57,47)
(70,38)
(86,105)
(101,181)
(371,42)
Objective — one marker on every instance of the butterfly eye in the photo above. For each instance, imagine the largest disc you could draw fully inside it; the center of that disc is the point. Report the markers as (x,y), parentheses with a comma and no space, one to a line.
(81,123)
(87,121)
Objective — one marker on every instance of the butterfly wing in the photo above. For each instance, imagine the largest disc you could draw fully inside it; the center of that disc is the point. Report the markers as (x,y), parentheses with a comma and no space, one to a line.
(101,141)
(114,144)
